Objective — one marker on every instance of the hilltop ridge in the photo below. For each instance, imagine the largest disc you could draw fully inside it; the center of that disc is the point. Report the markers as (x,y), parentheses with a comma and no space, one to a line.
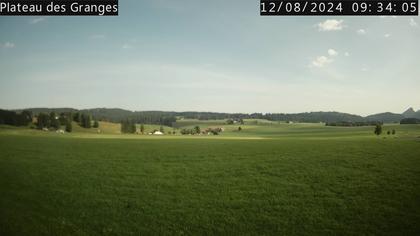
(118,114)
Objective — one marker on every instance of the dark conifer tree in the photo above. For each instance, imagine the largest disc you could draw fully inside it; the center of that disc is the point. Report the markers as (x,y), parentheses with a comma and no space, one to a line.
(88,122)
(378,129)
(54,122)
(43,121)
(77,117)
(197,130)
(69,126)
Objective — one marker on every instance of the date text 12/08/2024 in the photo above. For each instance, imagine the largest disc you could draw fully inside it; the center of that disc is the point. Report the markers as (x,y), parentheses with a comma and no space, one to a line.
(345,7)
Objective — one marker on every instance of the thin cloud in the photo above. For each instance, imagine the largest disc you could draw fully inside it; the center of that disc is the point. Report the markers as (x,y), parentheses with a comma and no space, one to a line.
(361,32)
(347,54)
(387,35)
(413,23)
(126,46)
(7,45)
(37,20)
(331,25)
(332,52)
(321,61)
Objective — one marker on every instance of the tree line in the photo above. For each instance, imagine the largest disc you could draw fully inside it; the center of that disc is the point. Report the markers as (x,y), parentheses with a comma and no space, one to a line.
(23,118)
(128,126)
(50,120)
(85,120)
(410,121)
(378,130)
(169,118)
(352,124)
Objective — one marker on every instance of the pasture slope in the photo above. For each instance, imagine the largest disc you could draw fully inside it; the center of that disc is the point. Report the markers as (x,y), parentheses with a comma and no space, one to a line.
(268,179)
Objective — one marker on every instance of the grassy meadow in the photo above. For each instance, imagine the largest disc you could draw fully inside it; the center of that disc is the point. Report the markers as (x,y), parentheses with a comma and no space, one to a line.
(268,179)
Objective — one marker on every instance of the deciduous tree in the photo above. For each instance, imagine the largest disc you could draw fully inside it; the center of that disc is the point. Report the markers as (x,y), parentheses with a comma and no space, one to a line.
(378,129)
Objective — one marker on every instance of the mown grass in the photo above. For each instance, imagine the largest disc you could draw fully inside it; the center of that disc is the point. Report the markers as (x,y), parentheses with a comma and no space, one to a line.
(294,180)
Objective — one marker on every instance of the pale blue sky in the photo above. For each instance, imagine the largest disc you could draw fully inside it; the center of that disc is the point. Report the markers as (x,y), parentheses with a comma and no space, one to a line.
(210,56)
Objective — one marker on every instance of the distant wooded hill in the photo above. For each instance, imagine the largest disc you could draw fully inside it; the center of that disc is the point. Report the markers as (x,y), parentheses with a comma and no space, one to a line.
(166,118)
(389,117)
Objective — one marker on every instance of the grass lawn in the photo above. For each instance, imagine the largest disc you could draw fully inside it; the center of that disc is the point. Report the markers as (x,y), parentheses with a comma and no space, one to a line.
(297,179)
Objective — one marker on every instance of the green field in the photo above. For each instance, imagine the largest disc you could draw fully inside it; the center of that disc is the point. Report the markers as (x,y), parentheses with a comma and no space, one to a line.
(268,179)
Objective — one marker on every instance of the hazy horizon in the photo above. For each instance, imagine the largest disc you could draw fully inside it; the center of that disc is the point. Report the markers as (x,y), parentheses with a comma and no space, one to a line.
(90,108)
(210,56)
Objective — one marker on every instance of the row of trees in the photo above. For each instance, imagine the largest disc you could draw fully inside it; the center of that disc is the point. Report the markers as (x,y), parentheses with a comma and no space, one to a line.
(23,118)
(128,126)
(378,130)
(53,121)
(85,120)
(351,124)
(168,118)
(408,121)
(195,130)
(234,121)
(154,119)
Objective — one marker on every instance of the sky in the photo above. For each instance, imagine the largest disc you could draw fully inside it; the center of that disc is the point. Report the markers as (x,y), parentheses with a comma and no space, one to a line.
(221,56)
